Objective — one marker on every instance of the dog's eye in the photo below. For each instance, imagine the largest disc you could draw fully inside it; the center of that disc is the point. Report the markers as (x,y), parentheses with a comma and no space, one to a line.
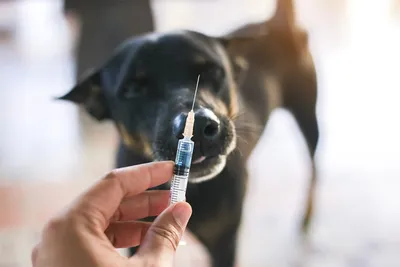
(135,88)
(210,70)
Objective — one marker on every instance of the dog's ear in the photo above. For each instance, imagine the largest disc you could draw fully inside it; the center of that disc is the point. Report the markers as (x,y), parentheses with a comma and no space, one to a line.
(88,93)
(284,17)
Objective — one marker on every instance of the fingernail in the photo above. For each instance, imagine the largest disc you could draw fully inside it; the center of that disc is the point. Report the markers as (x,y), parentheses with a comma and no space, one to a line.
(182,213)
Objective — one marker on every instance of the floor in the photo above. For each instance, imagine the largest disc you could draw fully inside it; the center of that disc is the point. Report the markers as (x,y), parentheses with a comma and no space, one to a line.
(49,152)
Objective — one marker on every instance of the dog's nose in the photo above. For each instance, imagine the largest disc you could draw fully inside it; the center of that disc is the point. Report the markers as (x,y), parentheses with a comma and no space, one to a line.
(206,125)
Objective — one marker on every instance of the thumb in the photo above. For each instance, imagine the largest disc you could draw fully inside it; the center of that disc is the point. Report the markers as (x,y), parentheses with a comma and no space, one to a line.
(163,236)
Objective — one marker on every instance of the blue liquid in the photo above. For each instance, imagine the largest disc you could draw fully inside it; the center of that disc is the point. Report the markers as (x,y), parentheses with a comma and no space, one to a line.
(183,158)
(183,161)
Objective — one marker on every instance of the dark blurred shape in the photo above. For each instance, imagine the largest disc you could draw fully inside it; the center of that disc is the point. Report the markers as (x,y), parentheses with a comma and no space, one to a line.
(104,25)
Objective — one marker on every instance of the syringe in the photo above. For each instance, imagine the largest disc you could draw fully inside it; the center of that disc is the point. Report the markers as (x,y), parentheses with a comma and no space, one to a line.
(183,157)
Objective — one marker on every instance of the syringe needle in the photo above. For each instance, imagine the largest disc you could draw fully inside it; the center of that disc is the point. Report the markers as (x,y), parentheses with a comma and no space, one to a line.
(195,92)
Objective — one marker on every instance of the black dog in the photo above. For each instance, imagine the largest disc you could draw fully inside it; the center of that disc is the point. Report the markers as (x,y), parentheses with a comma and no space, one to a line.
(146,88)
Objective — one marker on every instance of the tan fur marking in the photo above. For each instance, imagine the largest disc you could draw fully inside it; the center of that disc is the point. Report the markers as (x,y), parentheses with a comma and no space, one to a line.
(126,138)
(137,142)
(233,108)
(242,62)
(274,91)
(216,103)
(146,147)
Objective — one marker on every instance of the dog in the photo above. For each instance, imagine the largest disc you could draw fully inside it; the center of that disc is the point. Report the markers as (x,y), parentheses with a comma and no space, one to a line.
(146,89)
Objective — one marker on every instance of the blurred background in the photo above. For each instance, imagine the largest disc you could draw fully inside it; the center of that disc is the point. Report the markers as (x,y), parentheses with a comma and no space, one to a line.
(50,151)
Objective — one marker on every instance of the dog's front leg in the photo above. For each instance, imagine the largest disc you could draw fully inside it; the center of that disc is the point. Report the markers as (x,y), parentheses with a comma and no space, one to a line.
(217,212)
(219,237)
(223,252)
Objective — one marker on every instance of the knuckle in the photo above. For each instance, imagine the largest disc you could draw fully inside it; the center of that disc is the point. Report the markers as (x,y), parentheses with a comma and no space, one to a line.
(113,178)
(54,227)
(113,174)
(54,224)
(170,234)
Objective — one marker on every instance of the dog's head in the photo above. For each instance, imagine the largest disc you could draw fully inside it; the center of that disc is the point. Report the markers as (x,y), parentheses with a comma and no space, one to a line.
(147,86)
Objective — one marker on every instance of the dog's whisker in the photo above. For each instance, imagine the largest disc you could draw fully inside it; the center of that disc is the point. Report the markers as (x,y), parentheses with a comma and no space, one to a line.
(241,153)
(237,115)
(249,127)
(250,124)
(237,150)
(248,131)
(243,139)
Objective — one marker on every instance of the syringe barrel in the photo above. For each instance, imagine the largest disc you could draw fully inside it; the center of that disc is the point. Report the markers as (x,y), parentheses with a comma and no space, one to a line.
(183,161)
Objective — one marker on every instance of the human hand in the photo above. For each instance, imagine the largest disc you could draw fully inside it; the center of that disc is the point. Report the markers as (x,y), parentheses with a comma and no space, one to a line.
(102,219)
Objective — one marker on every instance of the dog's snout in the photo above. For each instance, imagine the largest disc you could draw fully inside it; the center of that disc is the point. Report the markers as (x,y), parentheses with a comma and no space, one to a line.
(206,125)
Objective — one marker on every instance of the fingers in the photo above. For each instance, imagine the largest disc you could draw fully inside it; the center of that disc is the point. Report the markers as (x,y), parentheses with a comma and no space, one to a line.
(163,236)
(101,201)
(148,203)
(127,234)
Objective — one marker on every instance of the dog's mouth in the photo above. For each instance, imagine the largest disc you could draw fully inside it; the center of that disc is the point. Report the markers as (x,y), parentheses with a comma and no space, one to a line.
(203,168)
(204,162)
(206,168)
(200,160)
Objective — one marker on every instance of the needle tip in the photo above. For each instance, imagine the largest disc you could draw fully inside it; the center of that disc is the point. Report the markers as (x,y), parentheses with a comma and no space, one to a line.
(195,92)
